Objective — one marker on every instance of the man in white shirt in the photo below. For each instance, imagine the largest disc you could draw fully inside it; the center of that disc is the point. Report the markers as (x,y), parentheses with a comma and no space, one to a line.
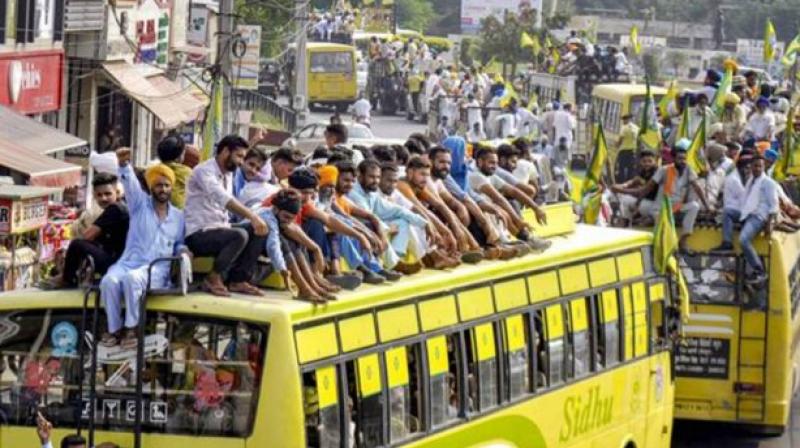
(564,124)
(527,123)
(476,134)
(762,123)
(759,209)
(474,112)
(733,195)
(362,109)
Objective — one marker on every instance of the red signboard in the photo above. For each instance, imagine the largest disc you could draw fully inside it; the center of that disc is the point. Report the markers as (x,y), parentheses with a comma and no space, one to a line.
(30,82)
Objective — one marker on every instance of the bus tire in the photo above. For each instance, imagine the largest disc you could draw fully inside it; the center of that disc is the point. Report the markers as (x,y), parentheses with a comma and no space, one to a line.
(770,430)
(341,107)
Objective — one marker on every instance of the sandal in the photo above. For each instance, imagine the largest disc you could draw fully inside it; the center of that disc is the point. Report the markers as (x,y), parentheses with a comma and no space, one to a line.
(109,340)
(215,289)
(245,288)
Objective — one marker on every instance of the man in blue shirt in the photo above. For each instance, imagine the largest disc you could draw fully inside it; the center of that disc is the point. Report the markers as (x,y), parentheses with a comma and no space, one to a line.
(156,231)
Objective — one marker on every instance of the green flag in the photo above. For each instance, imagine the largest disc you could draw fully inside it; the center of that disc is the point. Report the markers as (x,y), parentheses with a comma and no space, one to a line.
(212,126)
(789,142)
(665,244)
(683,126)
(725,87)
(595,172)
(770,40)
(790,54)
(648,129)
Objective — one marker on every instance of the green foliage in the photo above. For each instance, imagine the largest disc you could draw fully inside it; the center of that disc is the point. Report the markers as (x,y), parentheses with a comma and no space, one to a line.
(500,40)
(651,59)
(276,23)
(414,14)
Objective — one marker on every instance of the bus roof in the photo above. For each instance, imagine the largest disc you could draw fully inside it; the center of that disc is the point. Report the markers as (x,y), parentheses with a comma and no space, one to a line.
(328,46)
(614,91)
(585,242)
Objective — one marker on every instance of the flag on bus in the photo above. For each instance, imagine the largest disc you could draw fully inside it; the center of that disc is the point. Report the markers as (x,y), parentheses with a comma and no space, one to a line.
(770,41)
(595,172)
(694,157)
(525,40)
(683,126)
(665,244)
(648,129)
(592,206)
(212,126)
(672,93)
(790,54)
(725,87)
(634,37)
(789,146)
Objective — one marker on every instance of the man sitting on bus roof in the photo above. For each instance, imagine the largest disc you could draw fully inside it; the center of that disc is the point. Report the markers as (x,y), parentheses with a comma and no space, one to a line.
(399,221)
(209,198)
(484,181)
(103,240)
(156,231)
(675,181)
(630,204)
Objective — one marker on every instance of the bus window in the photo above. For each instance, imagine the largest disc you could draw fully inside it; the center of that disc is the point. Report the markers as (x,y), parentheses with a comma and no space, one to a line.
(641,341)
(443,371)
(579,336)
(555,344)
(658,331)
(482,368)
(516,344)
(405,405)
(365,405)
(203,375)
(331,62)
(608,338)
(627,311)
(540,376)
(321,405)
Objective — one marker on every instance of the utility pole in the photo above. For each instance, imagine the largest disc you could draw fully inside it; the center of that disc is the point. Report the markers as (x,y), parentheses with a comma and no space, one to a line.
(224,47)
(300,100)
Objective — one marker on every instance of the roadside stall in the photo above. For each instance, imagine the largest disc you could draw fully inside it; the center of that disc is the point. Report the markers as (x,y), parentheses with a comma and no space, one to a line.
(23,214)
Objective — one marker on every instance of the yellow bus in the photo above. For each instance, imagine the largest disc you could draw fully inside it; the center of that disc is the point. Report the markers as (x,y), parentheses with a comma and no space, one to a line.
(611,102)
(740,361)
(331,75)
(569,348)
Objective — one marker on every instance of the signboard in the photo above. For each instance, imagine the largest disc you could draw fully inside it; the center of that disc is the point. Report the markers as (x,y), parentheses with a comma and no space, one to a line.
(473,11)
(84,15)
(644,41)
(30,82)
(751,51)
(703,358)
(22,216)
(197,34)
(245,68)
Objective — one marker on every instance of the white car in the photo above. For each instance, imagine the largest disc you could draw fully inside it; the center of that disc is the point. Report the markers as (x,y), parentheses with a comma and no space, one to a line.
(312,136)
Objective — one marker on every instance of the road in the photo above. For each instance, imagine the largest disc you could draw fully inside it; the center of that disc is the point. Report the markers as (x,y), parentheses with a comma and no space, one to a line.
(382,126)
(706,435)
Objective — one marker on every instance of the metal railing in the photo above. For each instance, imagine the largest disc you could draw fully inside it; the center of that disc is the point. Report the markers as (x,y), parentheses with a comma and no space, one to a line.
(250,100)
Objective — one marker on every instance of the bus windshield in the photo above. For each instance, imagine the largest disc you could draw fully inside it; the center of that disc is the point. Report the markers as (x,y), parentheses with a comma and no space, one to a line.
(202,375)
(332,62)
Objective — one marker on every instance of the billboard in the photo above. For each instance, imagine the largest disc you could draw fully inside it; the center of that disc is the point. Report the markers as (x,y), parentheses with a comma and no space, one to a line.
(245,66)
(472,11)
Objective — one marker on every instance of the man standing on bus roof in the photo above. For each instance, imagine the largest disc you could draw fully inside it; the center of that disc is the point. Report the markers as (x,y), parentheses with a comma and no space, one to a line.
(209,198)
(156,231)
(628,134)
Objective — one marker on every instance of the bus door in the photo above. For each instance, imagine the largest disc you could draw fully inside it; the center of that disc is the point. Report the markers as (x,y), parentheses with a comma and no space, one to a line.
(707,361)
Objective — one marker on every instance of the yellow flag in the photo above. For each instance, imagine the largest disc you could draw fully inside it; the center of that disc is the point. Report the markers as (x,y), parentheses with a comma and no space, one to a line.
(672,93)
(694,157)
(592,206)
(790,54)
(595,170)
(576,187)
(556,60)
(212,126)
(637,47)
(770,40)
(789,146)
(525,40)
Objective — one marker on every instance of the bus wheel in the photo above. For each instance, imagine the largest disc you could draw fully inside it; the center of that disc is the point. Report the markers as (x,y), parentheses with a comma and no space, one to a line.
(341,107)
(770,430)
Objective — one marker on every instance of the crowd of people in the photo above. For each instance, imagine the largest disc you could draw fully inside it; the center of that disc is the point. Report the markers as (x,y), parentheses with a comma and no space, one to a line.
(330,221)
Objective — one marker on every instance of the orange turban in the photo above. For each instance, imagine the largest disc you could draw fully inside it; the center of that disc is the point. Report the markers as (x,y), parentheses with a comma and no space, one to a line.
(154,172)
(328,175)
(762,147)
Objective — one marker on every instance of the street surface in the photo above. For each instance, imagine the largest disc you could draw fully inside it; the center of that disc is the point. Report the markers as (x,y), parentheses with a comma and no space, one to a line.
(382,126)
(706,435)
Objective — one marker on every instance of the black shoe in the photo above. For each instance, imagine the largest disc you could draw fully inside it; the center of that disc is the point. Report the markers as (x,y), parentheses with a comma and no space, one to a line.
(391,275)
(372,278)
(346,281)
(724,247)
(757,279)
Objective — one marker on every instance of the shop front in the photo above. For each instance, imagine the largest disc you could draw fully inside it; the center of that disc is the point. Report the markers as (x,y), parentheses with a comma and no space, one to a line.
(31,81)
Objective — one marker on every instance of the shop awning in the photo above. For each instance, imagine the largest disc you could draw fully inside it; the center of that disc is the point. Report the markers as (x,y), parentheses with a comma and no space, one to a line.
(41,170)
(33,135)
(172,104)
(24,147)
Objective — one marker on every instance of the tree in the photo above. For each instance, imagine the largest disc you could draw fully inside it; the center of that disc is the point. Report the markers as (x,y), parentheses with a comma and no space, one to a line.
(277,24)
(651,60)
(500,40)
(676,59)
(414,14)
